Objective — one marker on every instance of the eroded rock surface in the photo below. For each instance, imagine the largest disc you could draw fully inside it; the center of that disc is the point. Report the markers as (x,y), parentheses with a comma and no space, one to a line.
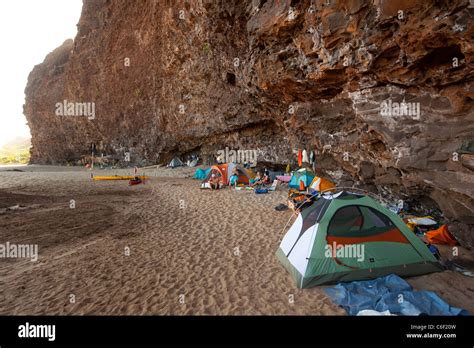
(273,76)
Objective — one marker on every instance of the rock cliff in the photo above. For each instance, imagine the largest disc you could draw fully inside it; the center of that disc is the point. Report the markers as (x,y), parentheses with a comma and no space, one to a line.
(381,90)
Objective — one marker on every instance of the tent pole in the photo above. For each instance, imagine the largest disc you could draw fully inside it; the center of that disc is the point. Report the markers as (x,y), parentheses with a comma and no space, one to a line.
(284,228)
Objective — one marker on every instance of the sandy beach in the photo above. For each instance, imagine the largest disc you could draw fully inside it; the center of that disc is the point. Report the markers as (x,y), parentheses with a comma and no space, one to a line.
(161,248)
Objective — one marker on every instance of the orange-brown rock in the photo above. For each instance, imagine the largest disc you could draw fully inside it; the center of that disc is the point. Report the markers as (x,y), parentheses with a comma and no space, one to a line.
(273,76)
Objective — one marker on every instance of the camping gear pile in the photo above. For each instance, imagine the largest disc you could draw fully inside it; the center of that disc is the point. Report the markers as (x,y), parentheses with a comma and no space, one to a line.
(440,236)
(389,295)
(298,200)
(433,232)
(302,194)
(304,184)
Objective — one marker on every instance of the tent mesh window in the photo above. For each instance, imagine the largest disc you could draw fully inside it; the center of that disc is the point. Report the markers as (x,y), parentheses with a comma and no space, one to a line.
(315,214)
(359,221)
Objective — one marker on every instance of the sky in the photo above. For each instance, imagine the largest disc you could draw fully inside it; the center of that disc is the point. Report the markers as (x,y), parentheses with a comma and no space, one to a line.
(29,30)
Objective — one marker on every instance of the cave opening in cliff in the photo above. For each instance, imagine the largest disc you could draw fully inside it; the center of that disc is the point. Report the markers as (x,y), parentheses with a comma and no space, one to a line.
(230,78)
(440,56)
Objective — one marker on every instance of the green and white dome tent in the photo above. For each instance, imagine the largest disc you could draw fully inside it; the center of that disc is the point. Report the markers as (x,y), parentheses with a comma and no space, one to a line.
(348,236)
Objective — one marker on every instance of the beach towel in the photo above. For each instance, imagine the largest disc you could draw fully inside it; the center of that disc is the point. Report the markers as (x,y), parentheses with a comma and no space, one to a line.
(389,293)
(261,190)
(284,178)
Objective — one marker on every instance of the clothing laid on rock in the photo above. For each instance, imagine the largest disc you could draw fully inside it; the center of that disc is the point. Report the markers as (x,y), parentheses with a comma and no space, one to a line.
(441,236)
(305,156)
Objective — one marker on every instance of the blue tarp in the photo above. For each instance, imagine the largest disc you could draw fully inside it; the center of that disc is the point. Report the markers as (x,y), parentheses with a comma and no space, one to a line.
(389,293)
(201,174)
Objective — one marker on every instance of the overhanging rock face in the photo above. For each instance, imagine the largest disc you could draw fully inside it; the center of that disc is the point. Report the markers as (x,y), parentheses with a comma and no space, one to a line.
(381,89)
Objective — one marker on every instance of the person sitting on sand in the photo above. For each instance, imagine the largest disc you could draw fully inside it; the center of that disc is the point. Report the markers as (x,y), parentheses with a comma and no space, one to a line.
(266,179)
(257,180)
(234,178)
(214,181)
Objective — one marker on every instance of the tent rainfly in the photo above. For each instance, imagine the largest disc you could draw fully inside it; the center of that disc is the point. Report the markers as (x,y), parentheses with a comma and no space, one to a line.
(346,237)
